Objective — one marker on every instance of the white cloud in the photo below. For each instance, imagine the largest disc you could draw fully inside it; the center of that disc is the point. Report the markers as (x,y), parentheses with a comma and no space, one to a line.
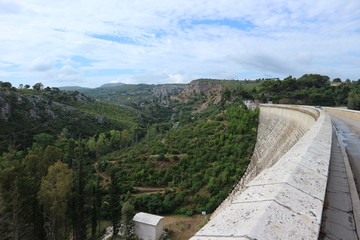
(65,74)
(41,64)
(278,38)
(304,58)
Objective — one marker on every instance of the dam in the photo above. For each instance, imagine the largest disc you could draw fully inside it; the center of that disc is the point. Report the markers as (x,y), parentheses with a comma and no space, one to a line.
(291,187)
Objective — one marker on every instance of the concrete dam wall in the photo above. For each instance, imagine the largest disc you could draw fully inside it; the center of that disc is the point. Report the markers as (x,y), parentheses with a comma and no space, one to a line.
(355,115)
(280,127)
(281,195)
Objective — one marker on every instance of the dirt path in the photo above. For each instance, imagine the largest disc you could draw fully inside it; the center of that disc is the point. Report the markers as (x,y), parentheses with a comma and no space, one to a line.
(183,228)
(102,175)
(148,190)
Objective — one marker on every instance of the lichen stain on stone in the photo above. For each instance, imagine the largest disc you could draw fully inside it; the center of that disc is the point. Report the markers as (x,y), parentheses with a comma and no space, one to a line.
(276,226)
(305,219)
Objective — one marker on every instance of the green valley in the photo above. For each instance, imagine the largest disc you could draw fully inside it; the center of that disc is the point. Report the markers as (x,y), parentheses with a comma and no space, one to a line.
(72,161)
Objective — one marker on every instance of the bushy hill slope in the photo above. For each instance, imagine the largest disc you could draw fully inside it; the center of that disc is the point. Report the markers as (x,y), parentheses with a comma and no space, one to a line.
(161,153)
(25,113)
(130,94)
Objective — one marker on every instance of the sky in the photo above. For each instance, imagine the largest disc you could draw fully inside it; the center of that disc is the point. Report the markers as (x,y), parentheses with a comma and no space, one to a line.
(92,42)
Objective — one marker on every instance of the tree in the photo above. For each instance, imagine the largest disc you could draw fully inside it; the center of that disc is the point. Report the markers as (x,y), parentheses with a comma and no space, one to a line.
(80,191)
(17,219)
(354,99)
(38,86)
(38,161)
(95,211)
(102,144)
(127,225)
(54,195)
(27,86)
(5,84)
(43,139)
(114,202)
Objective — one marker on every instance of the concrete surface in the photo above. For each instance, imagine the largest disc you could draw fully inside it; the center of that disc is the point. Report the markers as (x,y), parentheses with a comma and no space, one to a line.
(338,219)
(280,127)
(148,226)
(284,201)
(349,130)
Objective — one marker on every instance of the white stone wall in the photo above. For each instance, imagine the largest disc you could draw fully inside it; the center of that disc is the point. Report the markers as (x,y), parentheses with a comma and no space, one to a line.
(149,232)
(145,231)
(280,127)
(284,201)
(159,229)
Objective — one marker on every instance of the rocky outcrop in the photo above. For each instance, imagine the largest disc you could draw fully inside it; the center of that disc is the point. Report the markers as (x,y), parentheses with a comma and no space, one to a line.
(25,114)
(35,107)
(206,91)
(201,87)
(166,90)
(4,109)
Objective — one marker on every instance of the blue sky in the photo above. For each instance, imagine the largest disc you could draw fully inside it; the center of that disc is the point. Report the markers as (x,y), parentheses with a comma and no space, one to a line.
(92,42)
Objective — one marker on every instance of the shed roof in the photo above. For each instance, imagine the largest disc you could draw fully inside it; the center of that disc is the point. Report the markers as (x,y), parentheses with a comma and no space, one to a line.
(147,218)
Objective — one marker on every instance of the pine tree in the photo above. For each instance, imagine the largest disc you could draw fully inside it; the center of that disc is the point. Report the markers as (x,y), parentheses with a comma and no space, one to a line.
(79,216)
(114,202)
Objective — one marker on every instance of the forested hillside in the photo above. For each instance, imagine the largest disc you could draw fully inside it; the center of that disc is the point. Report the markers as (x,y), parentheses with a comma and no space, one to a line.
(25,113)
(131,94)
(311,89)
(71,165)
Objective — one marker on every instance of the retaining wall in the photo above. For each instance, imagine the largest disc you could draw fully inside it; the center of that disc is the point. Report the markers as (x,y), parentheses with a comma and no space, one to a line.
(280,127)
(355,115)
(282,193)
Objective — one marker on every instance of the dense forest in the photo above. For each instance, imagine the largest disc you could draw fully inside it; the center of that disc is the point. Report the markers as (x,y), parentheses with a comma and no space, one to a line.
(71,165)
(311,89)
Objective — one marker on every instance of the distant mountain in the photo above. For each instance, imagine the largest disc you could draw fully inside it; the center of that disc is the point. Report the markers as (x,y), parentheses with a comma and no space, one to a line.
(131,94)
(111,85)
(73,88)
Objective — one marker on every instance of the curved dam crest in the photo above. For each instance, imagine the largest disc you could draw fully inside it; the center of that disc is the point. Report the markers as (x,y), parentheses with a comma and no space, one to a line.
(281,195)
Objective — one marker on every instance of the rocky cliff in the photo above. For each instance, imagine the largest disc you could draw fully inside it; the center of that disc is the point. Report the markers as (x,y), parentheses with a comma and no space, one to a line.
(201,87)
(34,107)
(165,90)
(204,91)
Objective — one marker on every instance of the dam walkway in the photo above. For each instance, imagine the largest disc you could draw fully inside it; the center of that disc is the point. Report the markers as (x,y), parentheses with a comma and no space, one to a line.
(338,219)
(341,208)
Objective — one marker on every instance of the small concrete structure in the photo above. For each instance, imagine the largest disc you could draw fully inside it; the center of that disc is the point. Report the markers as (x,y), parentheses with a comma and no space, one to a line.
(148,226)
(335,84)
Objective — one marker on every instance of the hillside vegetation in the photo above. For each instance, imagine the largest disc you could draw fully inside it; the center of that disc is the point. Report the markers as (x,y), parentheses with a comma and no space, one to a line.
(71,163)
(83,161)
(133,95)
(25,113)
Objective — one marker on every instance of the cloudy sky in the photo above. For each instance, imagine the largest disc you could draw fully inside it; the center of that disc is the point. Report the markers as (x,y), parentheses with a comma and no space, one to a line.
(91,42)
